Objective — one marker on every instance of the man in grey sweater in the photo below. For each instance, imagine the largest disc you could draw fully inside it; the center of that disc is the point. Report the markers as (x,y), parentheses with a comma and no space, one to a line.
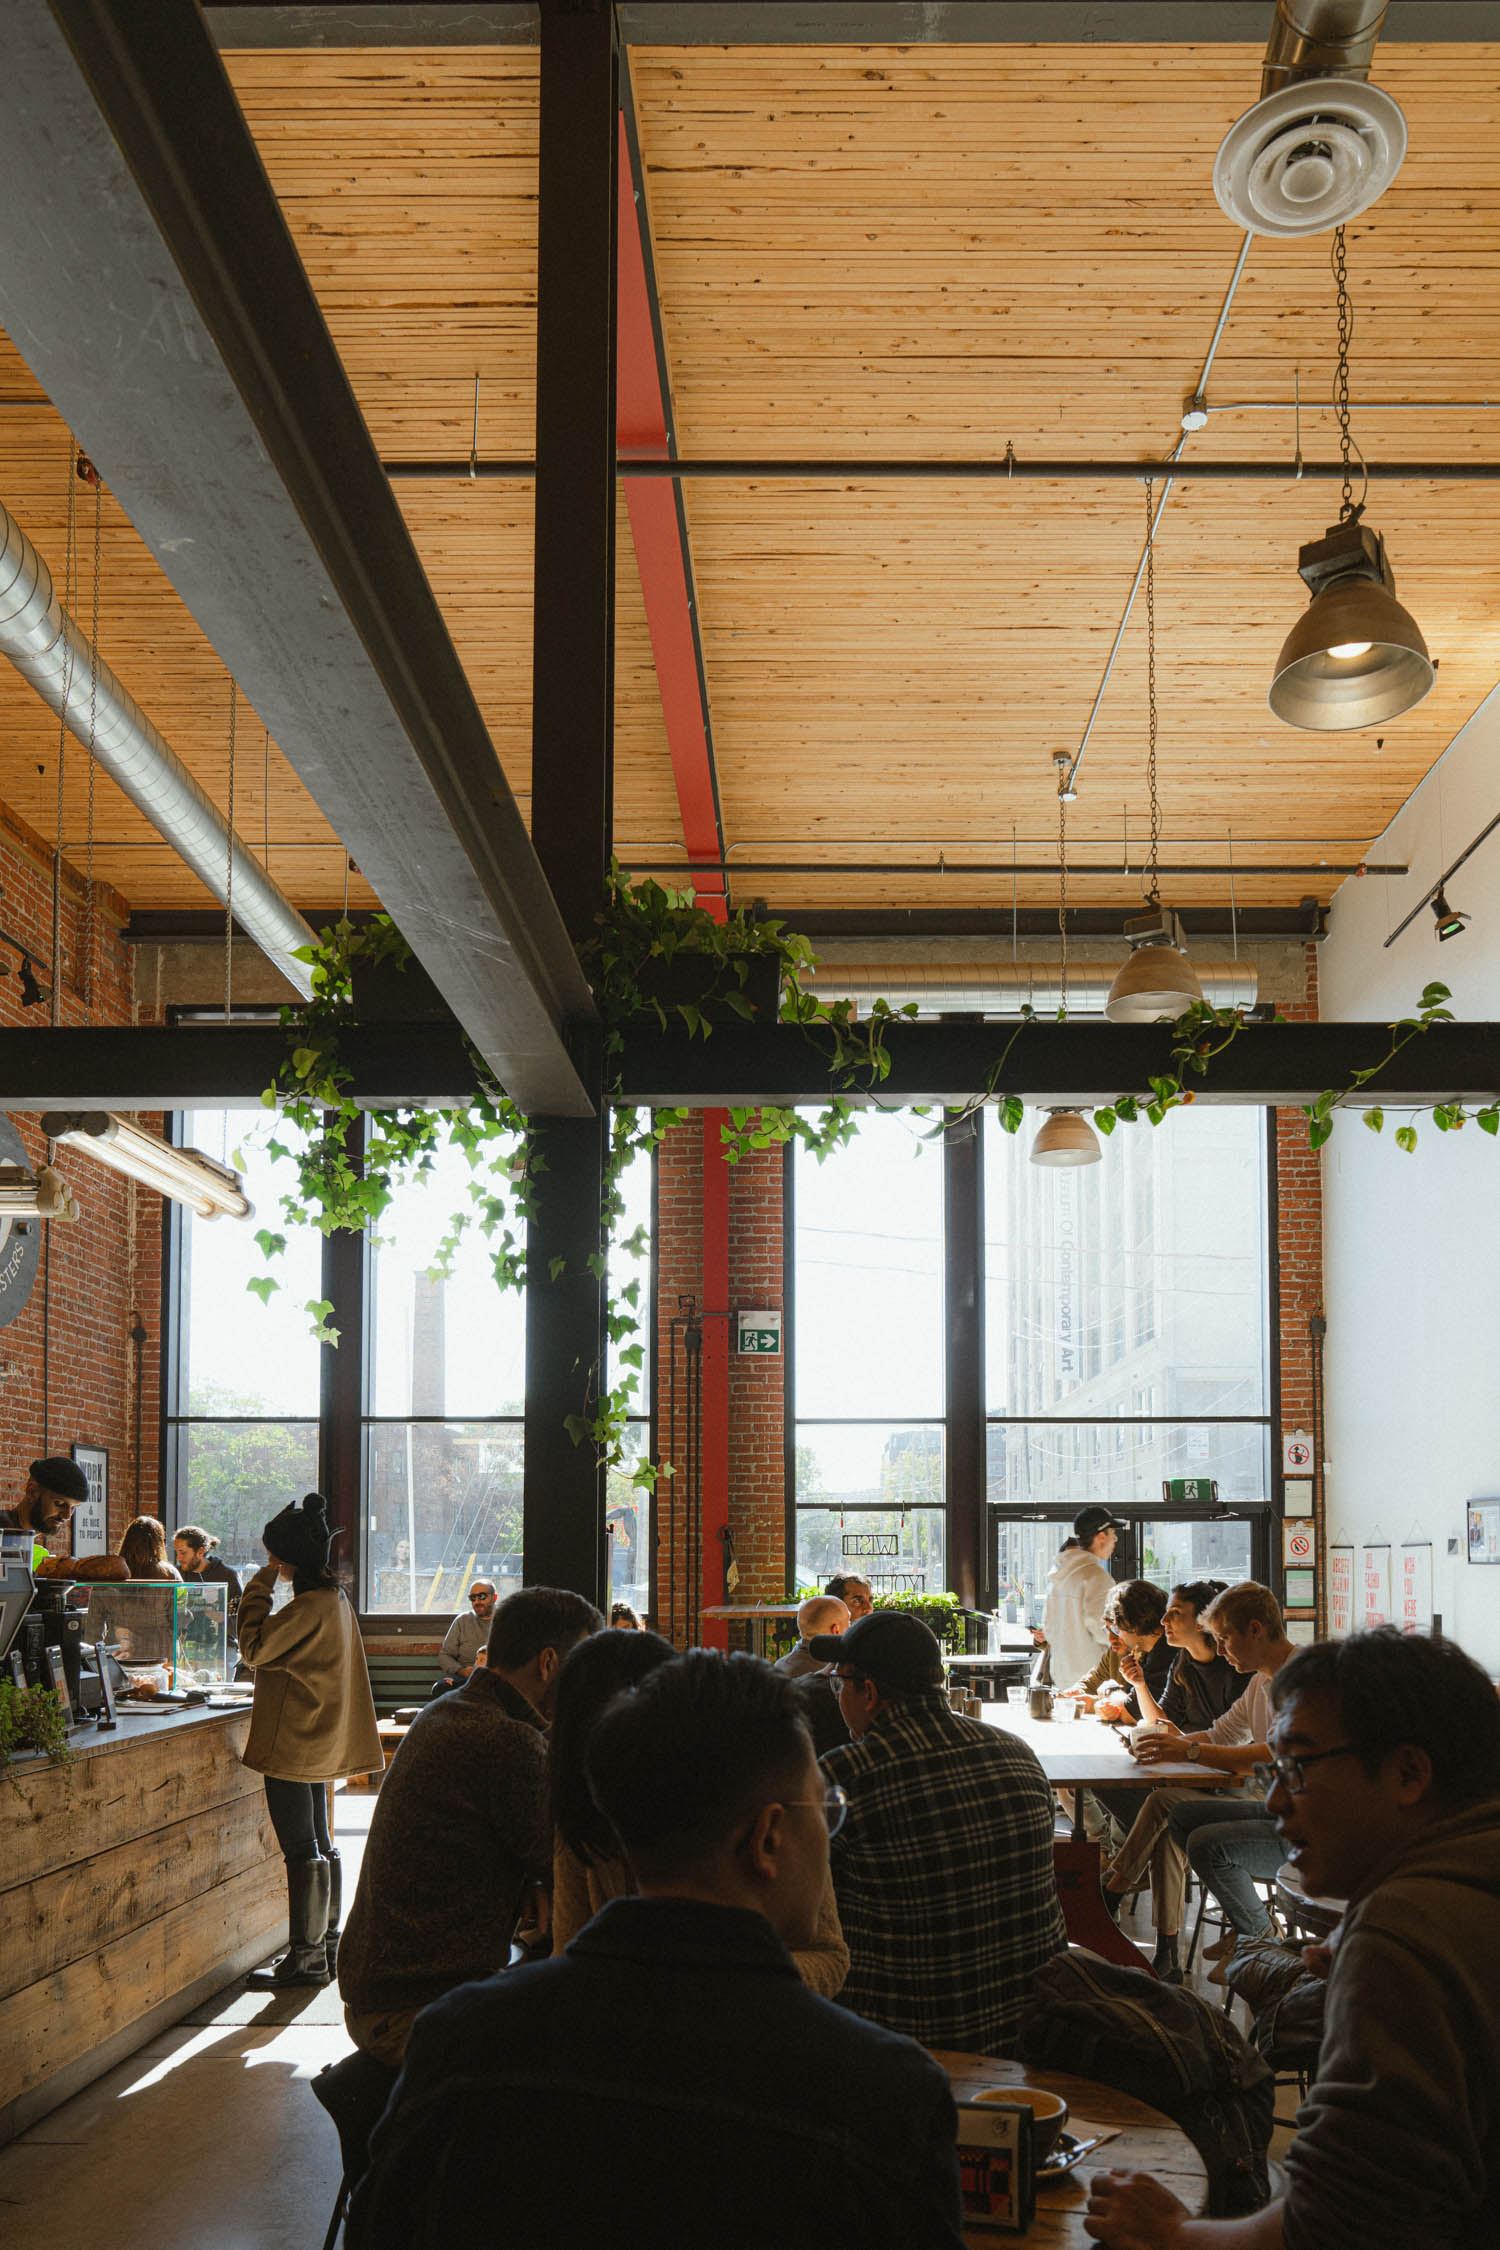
(460,1828)
(1386,1766)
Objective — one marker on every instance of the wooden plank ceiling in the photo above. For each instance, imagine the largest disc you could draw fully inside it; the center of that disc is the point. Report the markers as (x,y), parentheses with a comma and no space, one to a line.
(911,252)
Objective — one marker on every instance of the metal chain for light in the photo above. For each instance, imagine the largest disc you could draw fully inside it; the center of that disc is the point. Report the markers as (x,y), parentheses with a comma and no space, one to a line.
(1153,886)
(1348,510)
(234,707)
(69,559)
(88,911)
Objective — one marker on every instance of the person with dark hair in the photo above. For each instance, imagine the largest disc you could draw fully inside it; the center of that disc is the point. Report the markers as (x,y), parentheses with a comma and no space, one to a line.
(460,1829)
(944,1870)
(54,1488)
(856,1594)
(588,1862)
(1202,1683)
(624,1619)
(1385,1790)
(1230,1846)
(312,1721)
(143,1550)
(668,2079)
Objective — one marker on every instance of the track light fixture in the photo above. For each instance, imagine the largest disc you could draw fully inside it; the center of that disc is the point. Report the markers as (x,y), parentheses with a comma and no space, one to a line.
(1450,920)
(1355,658)
(43,1194)
(183,1174)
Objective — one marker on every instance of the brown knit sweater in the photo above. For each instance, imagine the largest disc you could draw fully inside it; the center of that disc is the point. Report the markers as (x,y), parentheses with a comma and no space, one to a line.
(460,1829)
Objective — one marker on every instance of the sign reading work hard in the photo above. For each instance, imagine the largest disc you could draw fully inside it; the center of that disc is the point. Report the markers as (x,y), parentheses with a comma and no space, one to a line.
(871,1543)
(1340,1591)
(1190,1492)
(758,1332)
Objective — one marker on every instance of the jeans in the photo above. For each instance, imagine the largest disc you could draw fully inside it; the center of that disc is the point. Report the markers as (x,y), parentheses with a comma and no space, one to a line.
(1230,1850)
(299,1815)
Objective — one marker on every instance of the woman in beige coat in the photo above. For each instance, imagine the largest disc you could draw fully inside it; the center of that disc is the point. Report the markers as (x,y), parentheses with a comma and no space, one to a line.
(312,1722)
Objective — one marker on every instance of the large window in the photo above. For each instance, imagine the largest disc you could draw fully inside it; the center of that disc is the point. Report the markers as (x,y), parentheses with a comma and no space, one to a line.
(242,1424)
(1126,1343)
(868,1372)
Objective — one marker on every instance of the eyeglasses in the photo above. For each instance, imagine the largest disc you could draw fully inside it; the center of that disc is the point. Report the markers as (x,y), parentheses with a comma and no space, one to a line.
(833,1804)
(1291,1772)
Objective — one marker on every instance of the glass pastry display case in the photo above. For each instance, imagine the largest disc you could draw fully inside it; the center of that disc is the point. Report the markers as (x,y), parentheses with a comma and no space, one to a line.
(177,1636)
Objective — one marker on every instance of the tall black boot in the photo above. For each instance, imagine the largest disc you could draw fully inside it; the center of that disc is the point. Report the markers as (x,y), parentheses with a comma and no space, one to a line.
(304,1962)
(335,1866)
(1165,1964)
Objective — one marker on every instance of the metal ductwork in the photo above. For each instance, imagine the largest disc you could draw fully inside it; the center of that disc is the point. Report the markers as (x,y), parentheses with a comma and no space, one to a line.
(1002,988)
(47,649)
(1320,39)
(1321,144)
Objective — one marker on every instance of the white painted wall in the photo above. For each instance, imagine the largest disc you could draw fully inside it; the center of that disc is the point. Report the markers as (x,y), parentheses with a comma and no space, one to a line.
(1412,1243)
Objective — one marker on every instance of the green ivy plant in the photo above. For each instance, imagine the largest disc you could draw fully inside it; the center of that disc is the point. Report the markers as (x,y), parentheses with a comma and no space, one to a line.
(32,1719)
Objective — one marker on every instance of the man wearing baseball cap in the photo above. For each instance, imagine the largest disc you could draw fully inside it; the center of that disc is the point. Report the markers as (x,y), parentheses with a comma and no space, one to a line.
(54,1488)
(943,1867)
(1078,1587)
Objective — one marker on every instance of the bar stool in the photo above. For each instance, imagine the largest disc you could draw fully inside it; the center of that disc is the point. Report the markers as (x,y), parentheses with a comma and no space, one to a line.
(354,2091)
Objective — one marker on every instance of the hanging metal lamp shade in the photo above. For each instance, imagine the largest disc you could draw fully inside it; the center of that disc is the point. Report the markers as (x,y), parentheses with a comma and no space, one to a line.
(1156,983)
(1355,658)
(1066,1139)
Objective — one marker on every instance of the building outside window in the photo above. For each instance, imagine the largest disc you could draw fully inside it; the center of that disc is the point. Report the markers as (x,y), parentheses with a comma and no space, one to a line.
(242,1396)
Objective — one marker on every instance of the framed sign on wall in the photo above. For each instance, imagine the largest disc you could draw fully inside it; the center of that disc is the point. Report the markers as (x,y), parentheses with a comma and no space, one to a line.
(91,1516)
(1484,1531)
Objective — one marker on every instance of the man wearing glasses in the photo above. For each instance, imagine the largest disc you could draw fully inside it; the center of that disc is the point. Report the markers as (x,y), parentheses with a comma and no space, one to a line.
(465,1638)
(1385,1790)
(669,2079)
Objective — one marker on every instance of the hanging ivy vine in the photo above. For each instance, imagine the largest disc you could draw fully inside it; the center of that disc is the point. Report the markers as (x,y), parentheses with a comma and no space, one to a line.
(655,954)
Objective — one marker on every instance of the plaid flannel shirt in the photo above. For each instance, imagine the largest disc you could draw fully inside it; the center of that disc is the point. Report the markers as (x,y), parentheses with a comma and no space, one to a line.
(944,1875)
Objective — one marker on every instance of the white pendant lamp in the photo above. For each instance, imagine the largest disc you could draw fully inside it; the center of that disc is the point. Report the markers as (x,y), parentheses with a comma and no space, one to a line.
(1157,981)
(1355,658)
(1066,1140)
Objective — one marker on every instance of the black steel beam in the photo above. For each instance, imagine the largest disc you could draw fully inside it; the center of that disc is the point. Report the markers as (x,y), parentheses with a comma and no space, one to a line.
(1087,1063)
(963,1286)
(572,754)
(152,286)
(727,23)
(207,1066)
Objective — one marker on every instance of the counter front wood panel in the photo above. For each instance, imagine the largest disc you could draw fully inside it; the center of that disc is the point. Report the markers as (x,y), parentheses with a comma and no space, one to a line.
(129,1878)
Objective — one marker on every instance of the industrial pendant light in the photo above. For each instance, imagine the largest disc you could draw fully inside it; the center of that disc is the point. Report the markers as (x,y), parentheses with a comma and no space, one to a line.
(1157,980)
(1450,920)
(1066,1138)
(1355,658)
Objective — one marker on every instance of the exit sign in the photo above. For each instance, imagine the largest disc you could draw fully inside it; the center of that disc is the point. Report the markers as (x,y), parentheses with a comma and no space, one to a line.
(1189,1492)
(758,1332)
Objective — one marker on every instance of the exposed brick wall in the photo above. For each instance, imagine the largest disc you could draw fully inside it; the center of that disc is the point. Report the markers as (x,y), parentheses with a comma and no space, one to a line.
(756,1386)
(67,1365)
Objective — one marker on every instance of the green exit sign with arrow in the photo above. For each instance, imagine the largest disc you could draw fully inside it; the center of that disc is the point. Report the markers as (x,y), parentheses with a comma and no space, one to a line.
(1190,1492)
(758,1332)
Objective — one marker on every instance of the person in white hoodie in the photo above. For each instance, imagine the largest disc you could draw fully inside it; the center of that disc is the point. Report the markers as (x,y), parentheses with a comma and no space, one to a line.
(1078,1587)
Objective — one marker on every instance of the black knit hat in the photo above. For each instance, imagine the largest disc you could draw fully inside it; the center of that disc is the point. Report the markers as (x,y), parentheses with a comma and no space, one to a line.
(300,1536)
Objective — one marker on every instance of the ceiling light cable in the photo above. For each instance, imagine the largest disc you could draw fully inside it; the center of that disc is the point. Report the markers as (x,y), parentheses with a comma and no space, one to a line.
(90,474)
(1153,855)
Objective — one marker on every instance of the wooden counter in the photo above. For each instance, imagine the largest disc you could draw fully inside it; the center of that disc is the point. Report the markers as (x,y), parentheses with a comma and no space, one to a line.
(136,1882)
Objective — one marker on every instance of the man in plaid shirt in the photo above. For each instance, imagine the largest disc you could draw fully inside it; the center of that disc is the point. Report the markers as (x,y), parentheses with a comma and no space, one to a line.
(943,1868)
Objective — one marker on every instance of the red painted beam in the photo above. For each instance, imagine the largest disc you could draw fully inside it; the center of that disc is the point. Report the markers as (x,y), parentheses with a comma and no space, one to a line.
(659,532)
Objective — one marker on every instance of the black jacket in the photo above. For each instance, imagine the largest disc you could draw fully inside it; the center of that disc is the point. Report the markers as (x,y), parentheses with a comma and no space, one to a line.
(667,2080)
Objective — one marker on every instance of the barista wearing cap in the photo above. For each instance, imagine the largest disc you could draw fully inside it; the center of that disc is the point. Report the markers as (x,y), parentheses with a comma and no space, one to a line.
(54,1488)
(1078,1588)
(943,1869)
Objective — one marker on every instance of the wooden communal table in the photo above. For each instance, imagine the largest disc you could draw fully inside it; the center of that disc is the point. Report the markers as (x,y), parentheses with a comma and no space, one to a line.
(1081,1754)
(1146,2142)
(133,1884)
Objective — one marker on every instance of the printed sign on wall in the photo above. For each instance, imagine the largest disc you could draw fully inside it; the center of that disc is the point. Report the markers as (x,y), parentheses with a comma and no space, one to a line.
(1297,1544)
(1340,1591)
(1414,1595)
(1375,1585)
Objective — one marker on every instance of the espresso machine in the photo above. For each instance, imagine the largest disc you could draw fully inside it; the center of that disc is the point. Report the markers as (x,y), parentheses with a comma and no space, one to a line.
(41,1637)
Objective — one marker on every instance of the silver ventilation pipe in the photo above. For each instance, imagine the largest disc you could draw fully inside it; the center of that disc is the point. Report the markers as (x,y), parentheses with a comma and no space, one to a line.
(1002,988)
(47,648)
(1320,39)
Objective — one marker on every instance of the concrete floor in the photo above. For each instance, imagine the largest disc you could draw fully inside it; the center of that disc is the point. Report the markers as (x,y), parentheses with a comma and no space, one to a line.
(207,2138)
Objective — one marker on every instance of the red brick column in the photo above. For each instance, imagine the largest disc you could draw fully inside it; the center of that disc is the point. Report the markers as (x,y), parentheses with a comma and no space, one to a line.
(1299,1239)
